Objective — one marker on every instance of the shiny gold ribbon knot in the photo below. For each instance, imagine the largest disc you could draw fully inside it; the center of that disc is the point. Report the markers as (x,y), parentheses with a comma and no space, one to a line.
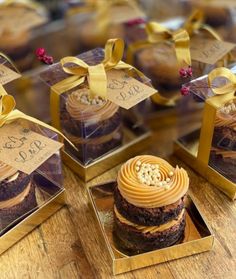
(229,87)
(158,33)
(95,75)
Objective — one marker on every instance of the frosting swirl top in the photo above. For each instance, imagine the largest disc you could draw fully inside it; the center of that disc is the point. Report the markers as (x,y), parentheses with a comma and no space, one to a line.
(6,171)
(89,112)
(142,195)
(226,116)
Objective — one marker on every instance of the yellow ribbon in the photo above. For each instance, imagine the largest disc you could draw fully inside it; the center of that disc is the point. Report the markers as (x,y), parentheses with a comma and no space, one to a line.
(10,61)
(195,23)
(223,94)
(228,88)
(27,3)
(104,16)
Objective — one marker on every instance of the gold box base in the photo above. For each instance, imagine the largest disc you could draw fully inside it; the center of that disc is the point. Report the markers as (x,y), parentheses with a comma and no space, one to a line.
(188,154)
(198,237)
(133,143)
(22,228)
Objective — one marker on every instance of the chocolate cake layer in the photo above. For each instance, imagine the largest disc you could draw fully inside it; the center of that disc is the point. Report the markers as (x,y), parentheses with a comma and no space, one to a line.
(89,152)
(225,166)
(9,215)
(147,216)
(224,138)
(86,130)
(129,238)
(11,189)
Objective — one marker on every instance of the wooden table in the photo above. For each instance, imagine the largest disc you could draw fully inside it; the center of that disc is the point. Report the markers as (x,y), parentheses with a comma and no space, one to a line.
(69,245)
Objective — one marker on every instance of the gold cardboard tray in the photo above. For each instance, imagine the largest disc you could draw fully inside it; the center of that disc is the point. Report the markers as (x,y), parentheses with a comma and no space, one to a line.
(186,149)
(135,140)
(44,211)
(198,237)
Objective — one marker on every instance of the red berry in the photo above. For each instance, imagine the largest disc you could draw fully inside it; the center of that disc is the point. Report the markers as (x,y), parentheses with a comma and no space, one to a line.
(189,71)
(40,52)
(183,73)
(185,90)
(47,59)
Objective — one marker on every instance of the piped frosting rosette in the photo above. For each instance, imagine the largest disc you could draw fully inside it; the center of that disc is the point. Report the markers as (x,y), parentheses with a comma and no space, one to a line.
(79,110)
(148,182)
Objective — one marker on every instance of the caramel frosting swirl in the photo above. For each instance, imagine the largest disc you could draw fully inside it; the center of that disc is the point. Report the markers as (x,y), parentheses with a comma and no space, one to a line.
(89,112)
(150,229)
(6,171)
(223,119)
(145,196)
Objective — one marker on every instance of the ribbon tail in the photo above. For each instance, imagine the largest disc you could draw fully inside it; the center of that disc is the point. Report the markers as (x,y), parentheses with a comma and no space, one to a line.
(182,47)
(98,80)
(160,100)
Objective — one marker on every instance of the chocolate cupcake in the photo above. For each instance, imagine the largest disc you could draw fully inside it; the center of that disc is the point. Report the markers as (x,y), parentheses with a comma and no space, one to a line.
(17,195)
(223,151)
(92,124)
(17,47)
(149,210)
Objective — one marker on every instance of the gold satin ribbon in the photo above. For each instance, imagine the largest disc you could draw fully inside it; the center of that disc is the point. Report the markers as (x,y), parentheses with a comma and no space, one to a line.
(103,16)
(95,75)
(10,61)
(223,94)
(27,3)
(8,114)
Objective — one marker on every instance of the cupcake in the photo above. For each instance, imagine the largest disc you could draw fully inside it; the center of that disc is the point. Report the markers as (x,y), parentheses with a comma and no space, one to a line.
(17,195)
(159,63)
(223,151)
(149,211)
(92,124)
(17,47)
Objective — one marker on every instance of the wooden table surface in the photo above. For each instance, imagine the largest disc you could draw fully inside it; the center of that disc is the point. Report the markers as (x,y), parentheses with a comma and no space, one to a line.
(69,245)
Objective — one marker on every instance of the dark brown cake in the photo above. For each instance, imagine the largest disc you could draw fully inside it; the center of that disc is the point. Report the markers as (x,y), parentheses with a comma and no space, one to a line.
(17,195)
(223,151)
(92,124)
(149,208)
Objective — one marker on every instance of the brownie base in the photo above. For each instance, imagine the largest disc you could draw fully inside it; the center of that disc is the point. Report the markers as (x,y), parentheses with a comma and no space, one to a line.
(87,153)
(224,138)
(225,167)
(19,211)
(11,189)
(147,216)
(130,239)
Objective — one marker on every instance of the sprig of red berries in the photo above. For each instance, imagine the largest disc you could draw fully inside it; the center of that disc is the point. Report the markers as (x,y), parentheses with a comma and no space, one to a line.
(186,72)
(42,56)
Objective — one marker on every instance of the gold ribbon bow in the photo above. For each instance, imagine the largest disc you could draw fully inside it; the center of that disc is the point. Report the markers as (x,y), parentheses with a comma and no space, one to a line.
(223,94)
(27,3)
(95,75)
(195,23)
(158,33)
(104,16)
(8,114)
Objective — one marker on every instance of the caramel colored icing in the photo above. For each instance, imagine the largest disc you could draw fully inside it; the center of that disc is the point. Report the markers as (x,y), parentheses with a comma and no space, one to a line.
(16,200)
(6,171)
(89,113)
(226,116)
(223,119)
(142,195)
(150,229)
(225,153)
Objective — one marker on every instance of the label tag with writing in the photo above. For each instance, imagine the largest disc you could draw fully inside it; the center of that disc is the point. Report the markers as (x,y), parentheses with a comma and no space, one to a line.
(126,91)
(24,149)
(19,19)
(124,13)
(209,51)
(7,75)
